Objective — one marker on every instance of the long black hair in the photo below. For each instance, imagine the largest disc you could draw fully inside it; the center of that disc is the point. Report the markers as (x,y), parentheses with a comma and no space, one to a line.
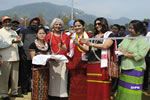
(104,25)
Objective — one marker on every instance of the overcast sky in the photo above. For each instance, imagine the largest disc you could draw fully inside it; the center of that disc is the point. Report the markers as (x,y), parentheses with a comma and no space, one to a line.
(133,9)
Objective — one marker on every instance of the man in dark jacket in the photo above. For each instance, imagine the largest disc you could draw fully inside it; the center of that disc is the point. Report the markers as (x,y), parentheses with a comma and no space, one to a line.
(29,35)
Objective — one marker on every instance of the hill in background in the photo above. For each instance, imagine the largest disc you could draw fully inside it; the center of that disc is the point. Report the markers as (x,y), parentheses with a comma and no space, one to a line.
(50,11)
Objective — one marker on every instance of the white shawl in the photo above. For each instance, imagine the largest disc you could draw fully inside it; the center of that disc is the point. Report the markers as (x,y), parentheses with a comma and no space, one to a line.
(72,45)
(104,53)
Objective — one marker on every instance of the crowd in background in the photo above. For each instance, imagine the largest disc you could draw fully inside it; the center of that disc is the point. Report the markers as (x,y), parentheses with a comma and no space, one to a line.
(86,76)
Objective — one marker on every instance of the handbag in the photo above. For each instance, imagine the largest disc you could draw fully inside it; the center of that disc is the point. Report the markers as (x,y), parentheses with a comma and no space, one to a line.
(113,69)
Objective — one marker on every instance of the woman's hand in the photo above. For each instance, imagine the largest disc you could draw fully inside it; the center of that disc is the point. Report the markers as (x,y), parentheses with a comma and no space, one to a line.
(62,45)
(121,50)
(85,48)
(85,41)
(75,41)
(126,54)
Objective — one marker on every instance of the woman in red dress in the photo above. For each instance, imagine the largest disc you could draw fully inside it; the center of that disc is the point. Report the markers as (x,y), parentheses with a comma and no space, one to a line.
(77,63)
(97,69)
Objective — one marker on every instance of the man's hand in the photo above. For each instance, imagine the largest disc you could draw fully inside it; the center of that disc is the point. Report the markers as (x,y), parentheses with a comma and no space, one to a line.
(18,39)
(1,60)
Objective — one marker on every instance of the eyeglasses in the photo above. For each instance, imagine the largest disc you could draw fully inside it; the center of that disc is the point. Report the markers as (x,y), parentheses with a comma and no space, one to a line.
(98,24)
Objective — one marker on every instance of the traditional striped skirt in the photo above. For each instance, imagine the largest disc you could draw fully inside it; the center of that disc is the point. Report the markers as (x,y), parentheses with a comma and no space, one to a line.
(78,84)
(40,78)
(130,84)
(98,83)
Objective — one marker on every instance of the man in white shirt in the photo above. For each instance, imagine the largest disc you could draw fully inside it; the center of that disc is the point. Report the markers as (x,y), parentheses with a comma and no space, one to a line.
(10,56)
(2,46)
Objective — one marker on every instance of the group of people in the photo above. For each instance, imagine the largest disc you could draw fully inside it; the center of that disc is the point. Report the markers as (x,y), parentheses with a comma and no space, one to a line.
(86,75)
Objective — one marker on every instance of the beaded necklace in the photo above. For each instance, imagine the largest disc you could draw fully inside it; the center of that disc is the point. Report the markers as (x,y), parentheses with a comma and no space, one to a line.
(40,47)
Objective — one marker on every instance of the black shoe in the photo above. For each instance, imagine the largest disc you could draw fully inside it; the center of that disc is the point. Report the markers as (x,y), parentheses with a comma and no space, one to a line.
(25,92)
(29,90)
(6,98)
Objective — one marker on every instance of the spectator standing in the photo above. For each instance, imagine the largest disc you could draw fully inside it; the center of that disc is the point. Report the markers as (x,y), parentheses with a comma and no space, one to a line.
(147,58)
(29,35)
(115,30)
(10,66)
(14,26)
(122,31)
(71,28)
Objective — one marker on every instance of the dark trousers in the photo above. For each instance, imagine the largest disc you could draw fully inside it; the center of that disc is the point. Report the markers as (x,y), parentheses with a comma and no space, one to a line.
(25,75)
(146,73)
(115,82)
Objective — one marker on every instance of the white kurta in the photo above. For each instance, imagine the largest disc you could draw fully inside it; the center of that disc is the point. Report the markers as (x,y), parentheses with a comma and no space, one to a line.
(58,79)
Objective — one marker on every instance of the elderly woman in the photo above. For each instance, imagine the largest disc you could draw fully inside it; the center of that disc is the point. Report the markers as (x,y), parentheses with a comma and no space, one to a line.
(58,73)
(132,63)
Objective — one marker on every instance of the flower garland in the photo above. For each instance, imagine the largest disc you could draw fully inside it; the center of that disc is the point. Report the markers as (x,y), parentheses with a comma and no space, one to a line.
(79,42)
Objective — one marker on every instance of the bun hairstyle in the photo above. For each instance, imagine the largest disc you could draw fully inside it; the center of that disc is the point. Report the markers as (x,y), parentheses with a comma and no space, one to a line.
(138,26)
(80,21)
